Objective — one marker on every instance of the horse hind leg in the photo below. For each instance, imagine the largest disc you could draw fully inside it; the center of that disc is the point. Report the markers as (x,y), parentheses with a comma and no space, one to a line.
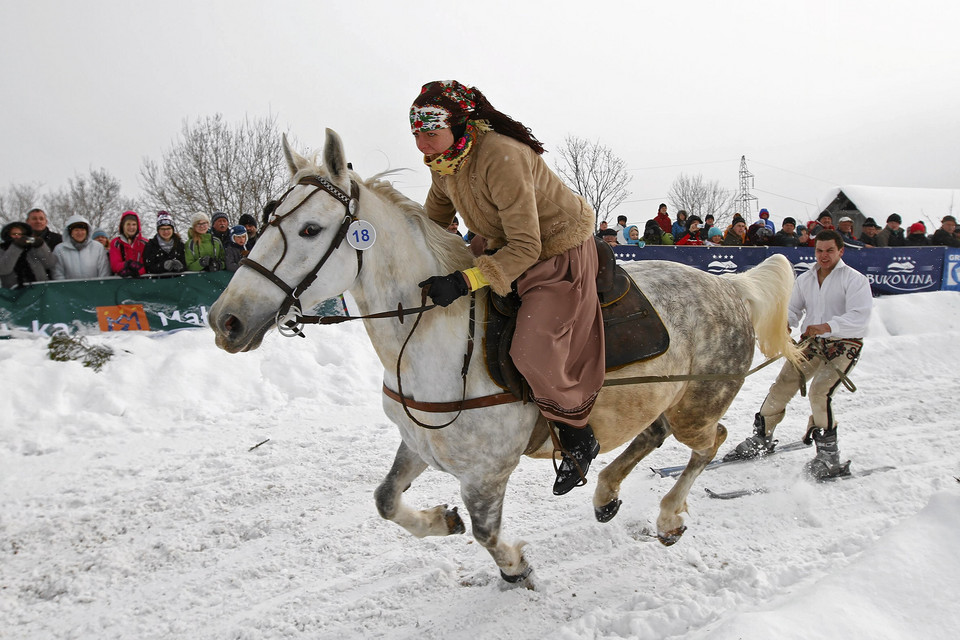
(670,523)
(437,521)
(606,500)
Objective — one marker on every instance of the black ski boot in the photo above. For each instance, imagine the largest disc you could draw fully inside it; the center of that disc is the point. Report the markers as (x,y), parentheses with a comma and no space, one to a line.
(756,445)
(827,462)
(579,448)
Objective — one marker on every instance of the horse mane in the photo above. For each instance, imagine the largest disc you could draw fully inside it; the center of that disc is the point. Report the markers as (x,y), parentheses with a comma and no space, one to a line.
(448,248)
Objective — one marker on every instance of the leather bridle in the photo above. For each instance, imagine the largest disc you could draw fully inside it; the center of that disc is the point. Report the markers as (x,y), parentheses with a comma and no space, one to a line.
(288,323)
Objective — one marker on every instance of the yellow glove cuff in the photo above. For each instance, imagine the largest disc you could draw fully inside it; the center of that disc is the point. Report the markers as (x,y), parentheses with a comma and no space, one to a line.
(475,279)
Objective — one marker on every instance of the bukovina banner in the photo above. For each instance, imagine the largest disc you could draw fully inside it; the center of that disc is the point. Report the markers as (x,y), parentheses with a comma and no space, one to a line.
(889,270)
(162,303)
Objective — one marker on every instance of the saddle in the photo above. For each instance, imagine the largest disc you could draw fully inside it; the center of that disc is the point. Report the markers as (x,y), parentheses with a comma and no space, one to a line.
(633,331)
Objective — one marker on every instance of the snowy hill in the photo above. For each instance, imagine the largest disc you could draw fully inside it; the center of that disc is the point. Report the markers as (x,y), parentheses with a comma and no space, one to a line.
(131,506)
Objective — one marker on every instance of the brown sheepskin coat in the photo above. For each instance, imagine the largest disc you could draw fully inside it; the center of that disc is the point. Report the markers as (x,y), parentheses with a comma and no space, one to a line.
(507,194)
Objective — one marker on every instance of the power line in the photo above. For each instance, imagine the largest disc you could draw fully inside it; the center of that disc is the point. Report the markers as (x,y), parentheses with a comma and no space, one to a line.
(686,164)
(832,182)
(786,197)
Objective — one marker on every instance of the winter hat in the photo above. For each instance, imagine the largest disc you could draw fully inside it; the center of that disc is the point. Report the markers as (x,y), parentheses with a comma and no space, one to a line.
(247,219)
(870,222)
(76,220)
(738,218)
(198,217)
(917,227)
(825,215)
(948,219)
(219,214)
(764,214)
(442,104)
(97,233)
(789,220)
(845,219)
(164,219)
(894,217)
(692,219)
(714,232)
(237,230)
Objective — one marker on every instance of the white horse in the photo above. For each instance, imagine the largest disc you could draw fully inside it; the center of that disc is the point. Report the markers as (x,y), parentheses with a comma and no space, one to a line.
(713,324)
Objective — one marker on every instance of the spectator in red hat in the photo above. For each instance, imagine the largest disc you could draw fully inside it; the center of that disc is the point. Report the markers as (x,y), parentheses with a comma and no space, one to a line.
(917,236)
(946,236)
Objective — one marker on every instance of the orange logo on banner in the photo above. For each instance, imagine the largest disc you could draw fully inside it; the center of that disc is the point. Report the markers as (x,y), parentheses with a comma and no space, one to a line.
(123,317)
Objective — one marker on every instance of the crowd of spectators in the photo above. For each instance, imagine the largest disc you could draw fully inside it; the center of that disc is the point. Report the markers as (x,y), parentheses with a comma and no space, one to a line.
(690,230)
(32,252)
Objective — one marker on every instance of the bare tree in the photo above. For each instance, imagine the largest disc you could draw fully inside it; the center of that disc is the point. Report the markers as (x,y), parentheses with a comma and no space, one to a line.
(96,197)
(215,166)
(698,197)
(593,171)
(17,200)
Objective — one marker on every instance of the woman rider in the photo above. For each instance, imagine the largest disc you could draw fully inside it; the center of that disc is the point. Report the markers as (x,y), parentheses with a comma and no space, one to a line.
(487,166)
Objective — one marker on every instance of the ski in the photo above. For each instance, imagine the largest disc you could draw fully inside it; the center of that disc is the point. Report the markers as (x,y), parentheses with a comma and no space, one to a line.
(739,493)
(670,472)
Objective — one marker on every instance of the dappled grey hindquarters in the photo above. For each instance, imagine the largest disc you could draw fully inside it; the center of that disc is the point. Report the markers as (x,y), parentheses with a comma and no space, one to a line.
(134,506)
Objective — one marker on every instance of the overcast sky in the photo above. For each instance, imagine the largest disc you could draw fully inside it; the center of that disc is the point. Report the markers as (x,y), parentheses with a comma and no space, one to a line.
(815,93)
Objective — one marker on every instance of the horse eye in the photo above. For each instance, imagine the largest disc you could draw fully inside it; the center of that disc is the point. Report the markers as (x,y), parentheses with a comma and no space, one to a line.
(310,229)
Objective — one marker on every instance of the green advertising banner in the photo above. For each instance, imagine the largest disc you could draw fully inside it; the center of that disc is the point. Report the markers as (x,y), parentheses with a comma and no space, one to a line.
(117,304)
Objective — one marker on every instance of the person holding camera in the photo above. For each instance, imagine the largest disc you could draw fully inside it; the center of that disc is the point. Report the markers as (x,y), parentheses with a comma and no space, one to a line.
(126,250)
(24,258)
(203,252)
(165,251)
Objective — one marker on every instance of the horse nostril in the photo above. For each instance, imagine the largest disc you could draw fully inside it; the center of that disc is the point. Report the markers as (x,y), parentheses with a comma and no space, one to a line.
(232,324)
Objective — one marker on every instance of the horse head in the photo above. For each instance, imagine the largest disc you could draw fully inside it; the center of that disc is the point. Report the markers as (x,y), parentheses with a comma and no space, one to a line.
(302,234)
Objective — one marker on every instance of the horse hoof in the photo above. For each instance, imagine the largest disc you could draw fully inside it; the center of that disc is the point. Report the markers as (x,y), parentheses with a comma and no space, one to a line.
(671,537)
(454,521)
(607,511)
(525,580)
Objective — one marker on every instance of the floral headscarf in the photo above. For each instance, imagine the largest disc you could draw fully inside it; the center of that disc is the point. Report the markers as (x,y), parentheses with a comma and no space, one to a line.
(442,104)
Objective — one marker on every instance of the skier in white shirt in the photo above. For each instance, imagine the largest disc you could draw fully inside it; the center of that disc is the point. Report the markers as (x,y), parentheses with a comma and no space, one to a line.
(834,302)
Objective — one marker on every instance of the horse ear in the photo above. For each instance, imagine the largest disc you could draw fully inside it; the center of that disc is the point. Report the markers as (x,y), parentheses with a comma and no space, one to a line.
(333,158)
(294,160)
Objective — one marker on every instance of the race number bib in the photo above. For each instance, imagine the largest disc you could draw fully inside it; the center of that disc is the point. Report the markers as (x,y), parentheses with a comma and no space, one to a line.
(361,235)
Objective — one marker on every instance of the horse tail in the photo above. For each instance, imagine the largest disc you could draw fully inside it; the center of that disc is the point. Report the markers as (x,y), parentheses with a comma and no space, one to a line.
(766,290)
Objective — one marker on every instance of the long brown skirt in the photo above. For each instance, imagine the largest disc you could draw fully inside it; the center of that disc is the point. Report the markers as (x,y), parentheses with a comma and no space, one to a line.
(558,343)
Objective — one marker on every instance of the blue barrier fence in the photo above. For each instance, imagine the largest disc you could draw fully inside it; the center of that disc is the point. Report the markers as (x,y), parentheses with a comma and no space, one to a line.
(890,270)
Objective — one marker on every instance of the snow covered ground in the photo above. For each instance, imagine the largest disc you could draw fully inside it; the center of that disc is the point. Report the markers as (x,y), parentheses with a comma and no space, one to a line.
(131,506)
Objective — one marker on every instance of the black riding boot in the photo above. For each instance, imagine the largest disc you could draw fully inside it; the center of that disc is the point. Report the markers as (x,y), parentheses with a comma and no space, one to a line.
(756,445)
(579,450)
(827,462)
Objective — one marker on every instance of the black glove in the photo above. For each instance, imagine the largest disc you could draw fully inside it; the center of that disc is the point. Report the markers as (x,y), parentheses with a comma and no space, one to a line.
(172,266)
(212,265)
(204,262)
(445,289)
(27,242)
(131,269)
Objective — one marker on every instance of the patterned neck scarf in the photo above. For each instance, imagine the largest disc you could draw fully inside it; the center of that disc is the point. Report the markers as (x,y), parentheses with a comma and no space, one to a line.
(450,161)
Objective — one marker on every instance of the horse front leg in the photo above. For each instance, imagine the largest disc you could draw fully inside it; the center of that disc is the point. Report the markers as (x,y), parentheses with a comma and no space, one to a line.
(437,521)
(484,501)
(670,523)
(606,500)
